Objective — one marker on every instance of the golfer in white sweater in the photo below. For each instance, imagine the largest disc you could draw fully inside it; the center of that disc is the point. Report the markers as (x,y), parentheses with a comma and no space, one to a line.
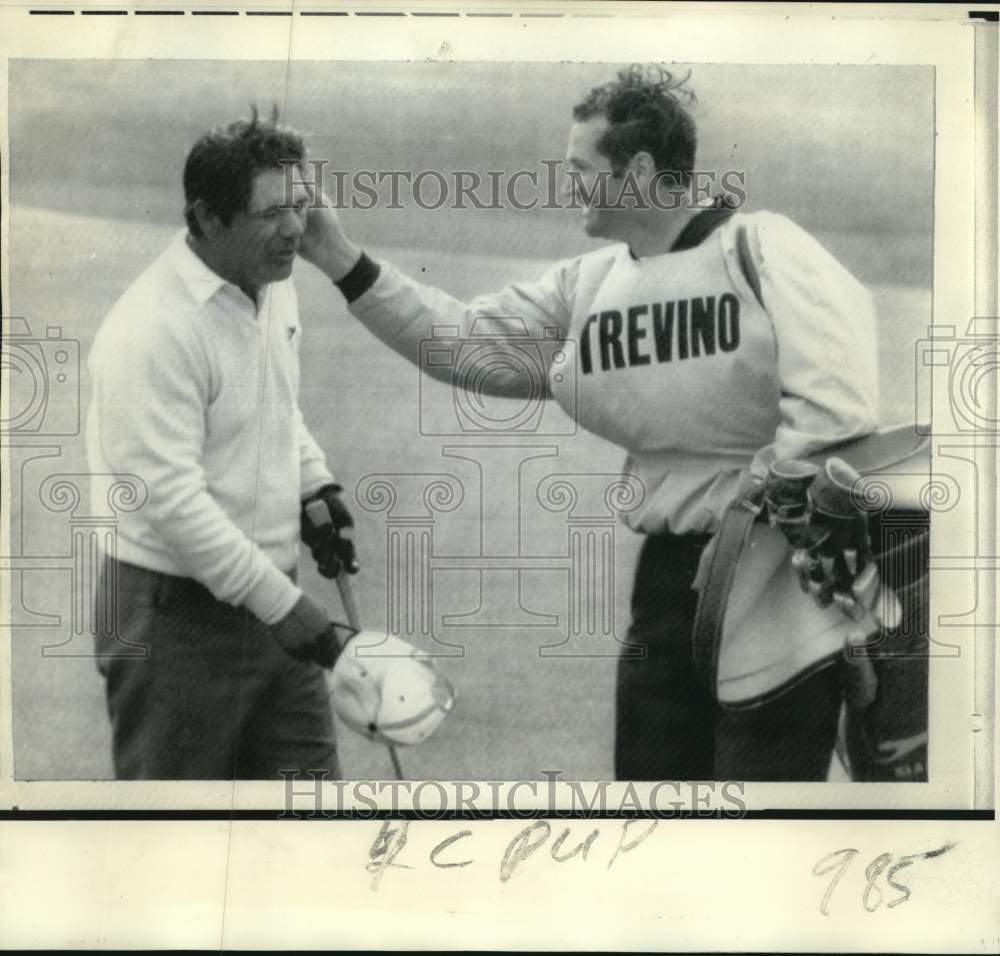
(213,656)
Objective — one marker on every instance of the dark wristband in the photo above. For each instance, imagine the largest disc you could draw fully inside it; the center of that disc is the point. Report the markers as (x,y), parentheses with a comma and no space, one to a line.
(360,279)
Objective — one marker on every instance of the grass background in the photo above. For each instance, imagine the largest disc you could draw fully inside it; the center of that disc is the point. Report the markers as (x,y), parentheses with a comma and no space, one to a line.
(96,153)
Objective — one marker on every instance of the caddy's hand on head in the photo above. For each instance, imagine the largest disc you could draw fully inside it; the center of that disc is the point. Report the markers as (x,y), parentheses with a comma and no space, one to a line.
(326,529)
(325,244)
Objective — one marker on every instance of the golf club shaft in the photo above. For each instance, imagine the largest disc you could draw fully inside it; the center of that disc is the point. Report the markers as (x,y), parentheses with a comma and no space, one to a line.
(351,610)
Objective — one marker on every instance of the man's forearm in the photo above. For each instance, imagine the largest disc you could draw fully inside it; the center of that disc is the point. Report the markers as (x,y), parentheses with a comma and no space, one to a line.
(313,470)
(405,314)
(214,551)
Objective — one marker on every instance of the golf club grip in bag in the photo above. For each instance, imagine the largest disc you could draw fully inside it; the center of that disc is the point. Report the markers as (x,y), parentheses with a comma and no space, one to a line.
(758,631)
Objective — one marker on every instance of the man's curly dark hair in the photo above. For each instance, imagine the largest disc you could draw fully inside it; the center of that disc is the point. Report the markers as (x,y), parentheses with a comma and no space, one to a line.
(221,166)
(645,108)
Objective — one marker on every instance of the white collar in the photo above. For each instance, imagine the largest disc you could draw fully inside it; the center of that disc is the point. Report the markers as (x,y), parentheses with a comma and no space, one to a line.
(202,282)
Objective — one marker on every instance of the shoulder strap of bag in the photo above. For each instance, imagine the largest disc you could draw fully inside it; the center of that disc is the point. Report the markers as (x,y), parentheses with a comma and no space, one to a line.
(729,541)
(728,544)
(747,266)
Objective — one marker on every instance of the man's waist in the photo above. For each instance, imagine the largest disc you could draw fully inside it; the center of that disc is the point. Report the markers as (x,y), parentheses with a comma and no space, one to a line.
(162,587)
(141,547)
(682,500)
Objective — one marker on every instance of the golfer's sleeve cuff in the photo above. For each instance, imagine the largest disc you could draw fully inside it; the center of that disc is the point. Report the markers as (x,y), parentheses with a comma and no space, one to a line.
(274,597)
(360,279)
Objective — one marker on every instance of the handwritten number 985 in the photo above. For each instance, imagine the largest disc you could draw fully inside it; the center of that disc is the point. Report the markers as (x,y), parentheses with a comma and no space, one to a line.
(838,862)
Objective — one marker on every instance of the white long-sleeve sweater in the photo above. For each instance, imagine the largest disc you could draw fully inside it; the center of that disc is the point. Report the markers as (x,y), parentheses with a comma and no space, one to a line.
(195,391)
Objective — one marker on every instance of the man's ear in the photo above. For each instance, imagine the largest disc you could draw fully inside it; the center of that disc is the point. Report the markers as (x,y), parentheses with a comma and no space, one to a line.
(208,222)
(643,167)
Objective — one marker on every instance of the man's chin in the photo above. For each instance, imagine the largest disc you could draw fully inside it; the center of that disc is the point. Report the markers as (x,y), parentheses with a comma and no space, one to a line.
(282,270)
(595,225)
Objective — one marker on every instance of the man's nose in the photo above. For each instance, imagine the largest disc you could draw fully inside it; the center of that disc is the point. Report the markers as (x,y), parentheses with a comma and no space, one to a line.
(293,223)
(570,191)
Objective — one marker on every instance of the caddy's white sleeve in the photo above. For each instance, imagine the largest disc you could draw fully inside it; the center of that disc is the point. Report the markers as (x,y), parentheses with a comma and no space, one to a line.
(405,314)
(826,337)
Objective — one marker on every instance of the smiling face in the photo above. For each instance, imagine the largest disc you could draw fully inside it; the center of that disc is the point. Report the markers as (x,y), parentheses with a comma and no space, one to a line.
(260,244)
(609,202)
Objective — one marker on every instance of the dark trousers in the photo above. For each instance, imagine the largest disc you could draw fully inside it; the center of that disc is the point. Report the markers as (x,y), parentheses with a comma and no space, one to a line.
(198,689)
(668,726)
